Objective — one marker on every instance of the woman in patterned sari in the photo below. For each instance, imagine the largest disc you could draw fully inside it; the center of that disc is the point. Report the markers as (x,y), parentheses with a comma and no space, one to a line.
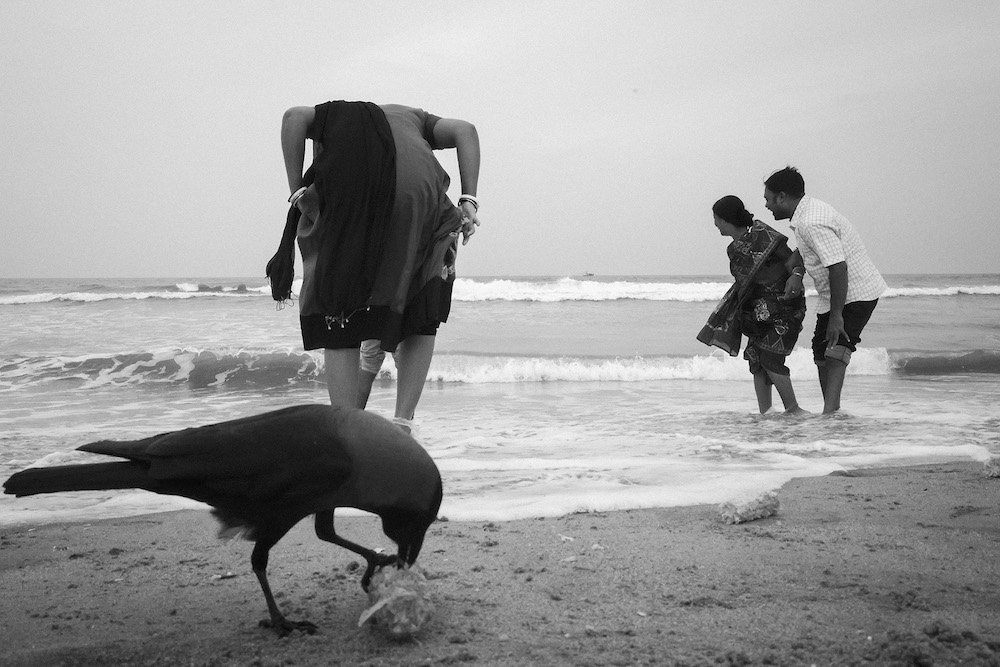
(757,305)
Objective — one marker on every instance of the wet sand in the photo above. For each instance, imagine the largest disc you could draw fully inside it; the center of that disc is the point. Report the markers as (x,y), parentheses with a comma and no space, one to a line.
(889,566)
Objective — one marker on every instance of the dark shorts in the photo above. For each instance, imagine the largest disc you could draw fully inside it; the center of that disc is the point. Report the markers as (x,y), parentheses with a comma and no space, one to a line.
(425,312)
(856,316)
(320,333)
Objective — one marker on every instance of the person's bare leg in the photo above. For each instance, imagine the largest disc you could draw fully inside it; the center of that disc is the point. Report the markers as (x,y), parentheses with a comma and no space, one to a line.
(762,386)
(821,372)
(831,379)
(783,383)
(413,361)
(342,376)
(365,381)
(372,358)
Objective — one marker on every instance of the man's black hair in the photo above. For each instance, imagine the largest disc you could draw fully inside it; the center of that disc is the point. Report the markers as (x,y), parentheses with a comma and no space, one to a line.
(787,180)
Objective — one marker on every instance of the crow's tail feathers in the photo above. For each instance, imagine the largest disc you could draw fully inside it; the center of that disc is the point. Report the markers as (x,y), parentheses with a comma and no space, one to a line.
(86,477)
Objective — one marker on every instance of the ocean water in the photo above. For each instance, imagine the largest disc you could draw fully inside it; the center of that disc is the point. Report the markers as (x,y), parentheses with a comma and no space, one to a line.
(547,395)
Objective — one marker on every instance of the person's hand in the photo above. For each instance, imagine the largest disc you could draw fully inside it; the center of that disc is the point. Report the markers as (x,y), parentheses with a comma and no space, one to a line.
(469,221)
(308,204)
(835,329)
(793,288)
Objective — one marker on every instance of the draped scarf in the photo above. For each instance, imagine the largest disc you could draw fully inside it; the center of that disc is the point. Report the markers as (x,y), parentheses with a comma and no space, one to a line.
(746,257)
(355,178)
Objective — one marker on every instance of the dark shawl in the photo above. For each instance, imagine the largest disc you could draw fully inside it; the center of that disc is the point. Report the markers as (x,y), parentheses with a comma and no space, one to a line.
(355,176)
(724,328)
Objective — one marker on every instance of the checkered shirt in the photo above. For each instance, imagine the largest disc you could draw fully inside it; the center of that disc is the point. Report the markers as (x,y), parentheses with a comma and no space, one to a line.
(825,238)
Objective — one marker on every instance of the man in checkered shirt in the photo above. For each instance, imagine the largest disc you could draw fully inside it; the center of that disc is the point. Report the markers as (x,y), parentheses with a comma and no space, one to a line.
(847,282)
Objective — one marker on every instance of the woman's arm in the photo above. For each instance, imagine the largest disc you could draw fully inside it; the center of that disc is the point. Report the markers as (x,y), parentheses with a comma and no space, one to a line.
(462,136)
(796,267)
(295,126)
(782,254)
(774,269)
(793,261)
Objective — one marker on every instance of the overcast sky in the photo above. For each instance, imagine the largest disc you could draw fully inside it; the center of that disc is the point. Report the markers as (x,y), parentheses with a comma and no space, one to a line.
(141,139)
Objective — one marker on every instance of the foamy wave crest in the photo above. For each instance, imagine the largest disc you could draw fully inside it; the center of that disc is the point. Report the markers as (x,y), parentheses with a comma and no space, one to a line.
(257,370)
(981,290)
(194,368)
(716,365)
(481,289)
(202,288)
(474,370)
(180,291)
(572,289)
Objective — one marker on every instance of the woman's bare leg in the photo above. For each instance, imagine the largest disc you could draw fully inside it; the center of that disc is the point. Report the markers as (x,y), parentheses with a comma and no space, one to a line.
(365,381)
(342,376)
(762,386)
(783,383)
(413,361)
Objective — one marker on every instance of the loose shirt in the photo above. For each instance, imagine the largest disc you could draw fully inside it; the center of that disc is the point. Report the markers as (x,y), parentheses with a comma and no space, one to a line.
(825,238)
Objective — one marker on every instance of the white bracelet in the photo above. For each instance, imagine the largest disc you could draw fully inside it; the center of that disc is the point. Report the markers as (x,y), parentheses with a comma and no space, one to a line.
(795,272)
(295,195)
(471,199)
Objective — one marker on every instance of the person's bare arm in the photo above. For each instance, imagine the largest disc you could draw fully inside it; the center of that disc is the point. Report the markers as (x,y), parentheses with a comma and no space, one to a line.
(295,124)
(838,297)
(463,137)
(794,286)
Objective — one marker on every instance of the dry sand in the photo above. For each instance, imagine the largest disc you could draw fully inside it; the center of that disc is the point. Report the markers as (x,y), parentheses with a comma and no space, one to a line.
(894,566)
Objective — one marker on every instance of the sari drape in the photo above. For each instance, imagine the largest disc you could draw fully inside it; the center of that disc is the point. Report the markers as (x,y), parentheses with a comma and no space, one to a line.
(748,254)
(355,176)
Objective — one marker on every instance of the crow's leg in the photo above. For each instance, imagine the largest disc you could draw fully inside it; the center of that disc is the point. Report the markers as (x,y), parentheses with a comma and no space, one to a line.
(278,622)
(326,532)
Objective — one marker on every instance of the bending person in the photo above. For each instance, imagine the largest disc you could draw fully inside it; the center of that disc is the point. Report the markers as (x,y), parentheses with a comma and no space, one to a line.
(757,305)
(846,280)
(377,233)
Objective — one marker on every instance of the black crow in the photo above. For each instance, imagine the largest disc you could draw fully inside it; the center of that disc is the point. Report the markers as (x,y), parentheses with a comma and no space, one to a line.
(263,474)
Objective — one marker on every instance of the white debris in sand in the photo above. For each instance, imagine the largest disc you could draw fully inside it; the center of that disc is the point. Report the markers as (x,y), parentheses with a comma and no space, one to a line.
(400,601)
(762,506)
(992,467)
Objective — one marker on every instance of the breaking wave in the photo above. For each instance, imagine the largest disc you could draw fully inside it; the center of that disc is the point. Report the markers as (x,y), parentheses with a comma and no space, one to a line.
(467,289)
(263,369)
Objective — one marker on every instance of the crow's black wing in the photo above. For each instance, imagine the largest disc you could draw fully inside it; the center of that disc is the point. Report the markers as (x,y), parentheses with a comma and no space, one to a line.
(277,453)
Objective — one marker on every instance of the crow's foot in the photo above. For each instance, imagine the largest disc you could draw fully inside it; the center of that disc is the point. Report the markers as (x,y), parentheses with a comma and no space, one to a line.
(380,560)
(284,627)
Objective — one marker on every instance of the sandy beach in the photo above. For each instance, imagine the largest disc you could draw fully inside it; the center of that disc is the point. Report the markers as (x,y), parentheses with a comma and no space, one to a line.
(889,566)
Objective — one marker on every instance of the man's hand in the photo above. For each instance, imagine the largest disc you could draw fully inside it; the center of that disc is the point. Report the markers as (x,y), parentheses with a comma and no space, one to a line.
(835,329)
